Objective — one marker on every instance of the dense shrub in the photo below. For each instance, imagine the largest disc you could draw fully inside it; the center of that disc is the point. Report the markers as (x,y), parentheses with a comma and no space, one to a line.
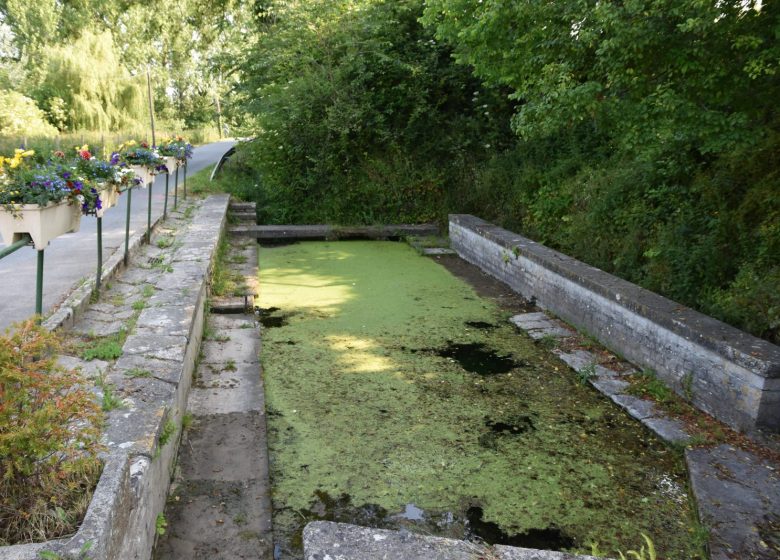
(49,430)
(20,116)
(361,115)
(640,137)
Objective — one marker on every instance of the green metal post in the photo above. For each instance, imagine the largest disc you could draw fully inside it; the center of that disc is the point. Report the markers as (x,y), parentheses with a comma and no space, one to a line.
(165,204)
(100,254)
(127,227)
(176,189)
(39,286)
(149,214)
(185,179)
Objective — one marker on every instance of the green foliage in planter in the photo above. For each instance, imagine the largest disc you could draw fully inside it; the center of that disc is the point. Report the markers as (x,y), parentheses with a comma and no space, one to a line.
(49,439)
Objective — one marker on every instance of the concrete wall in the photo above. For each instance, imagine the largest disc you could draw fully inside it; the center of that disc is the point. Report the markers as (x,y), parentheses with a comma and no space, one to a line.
(728,373)
(121,520)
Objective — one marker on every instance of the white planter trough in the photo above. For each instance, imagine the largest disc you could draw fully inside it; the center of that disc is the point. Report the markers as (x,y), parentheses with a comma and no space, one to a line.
(171,163)
(42,224)
(109,196)
(144,173)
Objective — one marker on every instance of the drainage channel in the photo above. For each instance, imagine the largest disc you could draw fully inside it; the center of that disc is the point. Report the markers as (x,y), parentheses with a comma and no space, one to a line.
(219,503)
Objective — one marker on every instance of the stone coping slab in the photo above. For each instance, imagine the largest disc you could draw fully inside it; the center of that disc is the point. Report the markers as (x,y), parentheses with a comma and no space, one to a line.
(325,540)
(328,232)
(142,438)
(728,373)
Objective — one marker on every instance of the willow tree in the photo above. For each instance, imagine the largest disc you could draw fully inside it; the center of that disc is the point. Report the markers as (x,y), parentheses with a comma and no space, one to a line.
(97,90)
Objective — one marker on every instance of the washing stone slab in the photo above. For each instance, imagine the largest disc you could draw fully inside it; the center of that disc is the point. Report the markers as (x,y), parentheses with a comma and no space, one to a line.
(325,540)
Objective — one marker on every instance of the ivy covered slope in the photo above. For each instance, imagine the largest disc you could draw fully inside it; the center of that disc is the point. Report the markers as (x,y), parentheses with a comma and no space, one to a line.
(641,137)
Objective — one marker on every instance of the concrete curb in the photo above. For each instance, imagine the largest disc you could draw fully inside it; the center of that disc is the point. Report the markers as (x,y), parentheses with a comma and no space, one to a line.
(143,438)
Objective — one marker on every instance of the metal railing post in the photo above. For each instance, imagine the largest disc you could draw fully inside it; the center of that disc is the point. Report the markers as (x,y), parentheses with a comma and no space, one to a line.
(127,226)
(39,287)
(185,179)
(176,189)
(165,204)
(149,213)
(99,253)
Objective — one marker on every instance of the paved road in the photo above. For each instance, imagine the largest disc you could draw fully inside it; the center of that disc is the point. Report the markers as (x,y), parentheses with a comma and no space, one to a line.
(72,257)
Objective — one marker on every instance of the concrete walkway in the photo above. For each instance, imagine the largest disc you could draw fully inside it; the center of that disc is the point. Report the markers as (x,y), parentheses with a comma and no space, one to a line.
(219,506)
(73,257)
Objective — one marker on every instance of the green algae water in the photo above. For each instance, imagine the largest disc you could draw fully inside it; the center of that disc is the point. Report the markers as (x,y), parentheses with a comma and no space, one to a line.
(397,397)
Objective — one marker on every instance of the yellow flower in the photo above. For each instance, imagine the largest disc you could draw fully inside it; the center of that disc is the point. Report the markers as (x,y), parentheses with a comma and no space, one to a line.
(28,153)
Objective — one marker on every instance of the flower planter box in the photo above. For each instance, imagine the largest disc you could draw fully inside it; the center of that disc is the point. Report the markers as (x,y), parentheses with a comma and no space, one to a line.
(144,173)
(171,163)
(109,196)
(42,223)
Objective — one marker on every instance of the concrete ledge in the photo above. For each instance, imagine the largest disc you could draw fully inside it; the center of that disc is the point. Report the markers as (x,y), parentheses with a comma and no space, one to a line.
(325,540)
(726,372)
(326,232)
(121,520)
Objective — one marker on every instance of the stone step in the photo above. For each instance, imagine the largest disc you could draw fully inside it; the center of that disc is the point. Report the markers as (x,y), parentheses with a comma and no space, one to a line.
(242,206)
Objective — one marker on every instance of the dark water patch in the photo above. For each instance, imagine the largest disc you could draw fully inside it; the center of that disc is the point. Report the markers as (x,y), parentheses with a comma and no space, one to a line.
(549,538)
(513,426)
(270,318)
(481,325)
(266,310)
(273,322)
(412,513)
(478,358)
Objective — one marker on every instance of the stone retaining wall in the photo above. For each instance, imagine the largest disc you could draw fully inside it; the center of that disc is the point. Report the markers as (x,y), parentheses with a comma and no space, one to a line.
(121,520)
(728,373)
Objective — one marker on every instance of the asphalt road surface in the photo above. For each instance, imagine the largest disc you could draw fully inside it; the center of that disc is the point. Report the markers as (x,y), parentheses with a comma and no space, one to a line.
(73,257)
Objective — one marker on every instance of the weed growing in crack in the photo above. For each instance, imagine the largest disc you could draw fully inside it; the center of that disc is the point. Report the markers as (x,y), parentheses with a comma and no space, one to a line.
(135,373)
(109,401)
(586,373)
(160,525)
(169,429)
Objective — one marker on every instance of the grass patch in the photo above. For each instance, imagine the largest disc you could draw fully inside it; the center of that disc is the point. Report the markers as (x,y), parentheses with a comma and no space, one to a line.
(647,384)
(137,373)
(224,280)
(106,348)
(165,241)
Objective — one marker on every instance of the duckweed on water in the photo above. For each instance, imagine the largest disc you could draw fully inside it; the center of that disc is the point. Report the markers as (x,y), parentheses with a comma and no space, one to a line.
(370,418)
